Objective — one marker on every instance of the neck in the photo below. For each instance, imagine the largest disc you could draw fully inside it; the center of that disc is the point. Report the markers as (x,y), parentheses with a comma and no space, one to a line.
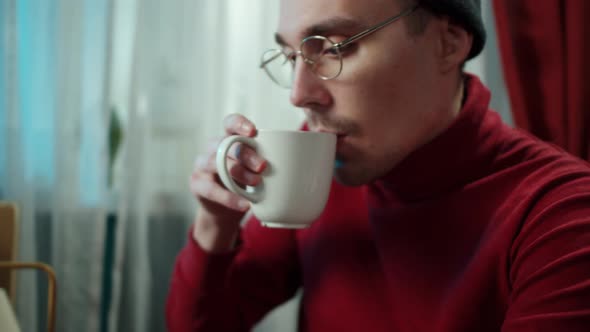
(448,113)
(460,152)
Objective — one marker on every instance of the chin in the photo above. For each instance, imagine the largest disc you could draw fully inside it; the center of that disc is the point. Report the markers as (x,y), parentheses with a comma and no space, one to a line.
(352,178)
(354,174)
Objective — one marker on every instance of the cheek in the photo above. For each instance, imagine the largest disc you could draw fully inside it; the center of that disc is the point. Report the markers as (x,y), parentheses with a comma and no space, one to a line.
(379,89)
(367,87)
(381,78)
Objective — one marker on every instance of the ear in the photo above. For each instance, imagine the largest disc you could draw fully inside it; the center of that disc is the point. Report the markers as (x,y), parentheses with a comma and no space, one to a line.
(454,45)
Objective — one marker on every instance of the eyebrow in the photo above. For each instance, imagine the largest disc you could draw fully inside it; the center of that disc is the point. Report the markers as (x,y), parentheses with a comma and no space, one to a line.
(332,25)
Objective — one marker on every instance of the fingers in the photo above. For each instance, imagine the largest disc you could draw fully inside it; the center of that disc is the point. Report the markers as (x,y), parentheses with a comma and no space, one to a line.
(237,170)
(204,187)
(238,151)
(248,157)
(243,163)
(237,124)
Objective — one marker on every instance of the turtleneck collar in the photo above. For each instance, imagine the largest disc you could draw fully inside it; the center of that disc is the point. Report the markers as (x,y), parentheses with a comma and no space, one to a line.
(459,155)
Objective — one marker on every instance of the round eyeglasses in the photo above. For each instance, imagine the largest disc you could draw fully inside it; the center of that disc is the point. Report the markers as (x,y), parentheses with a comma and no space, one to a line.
(322,55)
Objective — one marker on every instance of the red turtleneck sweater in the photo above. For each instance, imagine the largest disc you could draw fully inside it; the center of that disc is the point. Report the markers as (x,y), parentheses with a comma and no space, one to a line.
(483,229)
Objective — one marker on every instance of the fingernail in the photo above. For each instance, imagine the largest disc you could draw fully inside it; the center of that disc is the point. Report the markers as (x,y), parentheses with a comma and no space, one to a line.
(238,151)
(255,162)
(247,127)
(244,204)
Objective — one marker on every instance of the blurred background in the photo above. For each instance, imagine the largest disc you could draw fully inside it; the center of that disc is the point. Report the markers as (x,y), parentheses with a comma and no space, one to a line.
(105,103)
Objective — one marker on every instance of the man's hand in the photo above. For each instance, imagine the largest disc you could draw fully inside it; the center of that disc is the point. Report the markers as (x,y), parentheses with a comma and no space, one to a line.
(218,219)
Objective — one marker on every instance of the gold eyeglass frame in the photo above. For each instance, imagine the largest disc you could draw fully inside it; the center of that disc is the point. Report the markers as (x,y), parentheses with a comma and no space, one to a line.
(337,47)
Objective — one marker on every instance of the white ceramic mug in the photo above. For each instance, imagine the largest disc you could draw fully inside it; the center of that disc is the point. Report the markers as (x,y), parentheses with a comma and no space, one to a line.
(296,182)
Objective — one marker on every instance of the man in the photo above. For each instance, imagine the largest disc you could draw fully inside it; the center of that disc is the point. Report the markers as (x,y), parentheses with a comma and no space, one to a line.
(441,218)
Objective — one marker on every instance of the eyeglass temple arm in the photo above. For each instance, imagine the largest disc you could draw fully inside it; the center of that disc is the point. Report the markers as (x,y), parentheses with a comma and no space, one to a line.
(265,62)
(369,31)
(357,36)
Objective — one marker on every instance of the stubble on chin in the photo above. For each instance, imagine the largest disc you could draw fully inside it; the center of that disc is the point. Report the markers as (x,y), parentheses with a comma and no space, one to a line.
(352,175)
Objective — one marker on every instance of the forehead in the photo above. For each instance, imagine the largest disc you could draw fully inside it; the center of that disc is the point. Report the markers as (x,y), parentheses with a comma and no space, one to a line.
(300,18)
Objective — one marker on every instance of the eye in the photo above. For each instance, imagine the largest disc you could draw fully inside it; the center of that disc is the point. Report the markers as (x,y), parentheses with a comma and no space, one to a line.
(291,57)
(289,54)
(332,51)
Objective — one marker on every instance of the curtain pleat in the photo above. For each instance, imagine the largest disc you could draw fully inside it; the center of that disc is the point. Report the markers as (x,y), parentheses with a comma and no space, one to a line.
(544,45)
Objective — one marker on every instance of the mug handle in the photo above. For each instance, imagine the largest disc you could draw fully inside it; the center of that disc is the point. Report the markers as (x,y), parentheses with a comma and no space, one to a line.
(221,161)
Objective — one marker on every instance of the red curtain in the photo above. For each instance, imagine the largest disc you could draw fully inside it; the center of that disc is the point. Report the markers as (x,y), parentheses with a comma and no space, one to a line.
(545,53)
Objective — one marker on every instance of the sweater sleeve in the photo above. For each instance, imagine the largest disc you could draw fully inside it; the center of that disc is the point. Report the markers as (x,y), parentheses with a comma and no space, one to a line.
(232,291)
(550,270)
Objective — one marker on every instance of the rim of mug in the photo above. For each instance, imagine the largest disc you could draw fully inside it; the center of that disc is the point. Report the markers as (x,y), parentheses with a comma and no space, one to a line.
(289,131)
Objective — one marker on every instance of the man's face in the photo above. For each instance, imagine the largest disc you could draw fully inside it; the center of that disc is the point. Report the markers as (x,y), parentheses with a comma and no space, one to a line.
(384,103)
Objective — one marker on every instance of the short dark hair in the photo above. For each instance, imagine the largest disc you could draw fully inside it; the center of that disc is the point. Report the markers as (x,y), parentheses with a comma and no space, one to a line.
(418,20)
(464,13)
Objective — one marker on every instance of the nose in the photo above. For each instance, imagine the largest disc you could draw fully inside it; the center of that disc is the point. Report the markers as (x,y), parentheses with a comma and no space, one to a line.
(308,89)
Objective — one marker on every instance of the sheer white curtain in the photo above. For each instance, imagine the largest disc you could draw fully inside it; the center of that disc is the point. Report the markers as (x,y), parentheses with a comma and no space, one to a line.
(170,71)
(192,63)
(52,149)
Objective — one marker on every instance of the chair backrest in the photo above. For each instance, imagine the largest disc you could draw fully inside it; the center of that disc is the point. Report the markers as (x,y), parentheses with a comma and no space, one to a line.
(8,265)
(51,285)
(8,244)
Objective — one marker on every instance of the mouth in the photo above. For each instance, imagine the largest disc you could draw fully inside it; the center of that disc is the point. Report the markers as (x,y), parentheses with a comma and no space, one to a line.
(329,131)
(340,136)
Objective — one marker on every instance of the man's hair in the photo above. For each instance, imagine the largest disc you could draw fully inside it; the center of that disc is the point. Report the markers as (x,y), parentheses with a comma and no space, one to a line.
(418,20)
(465,13)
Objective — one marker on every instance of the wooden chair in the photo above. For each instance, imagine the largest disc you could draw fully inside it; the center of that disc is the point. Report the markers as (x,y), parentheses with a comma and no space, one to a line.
(51,289)
(8,244)
(8,263)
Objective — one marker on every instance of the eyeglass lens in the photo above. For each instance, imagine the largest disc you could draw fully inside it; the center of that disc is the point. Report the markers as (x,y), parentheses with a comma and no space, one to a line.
(318,52)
